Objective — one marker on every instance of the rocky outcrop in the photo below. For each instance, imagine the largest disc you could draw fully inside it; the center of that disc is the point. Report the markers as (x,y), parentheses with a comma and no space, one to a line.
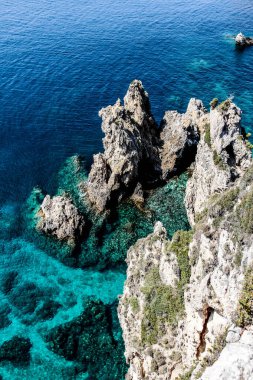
(136,152)
(243,41)
(187,300)
(222,157)
(180,135)
(131,150)
(60,218)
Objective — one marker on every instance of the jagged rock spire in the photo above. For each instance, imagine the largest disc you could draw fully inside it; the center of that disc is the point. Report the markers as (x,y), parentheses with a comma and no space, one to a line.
(131,149)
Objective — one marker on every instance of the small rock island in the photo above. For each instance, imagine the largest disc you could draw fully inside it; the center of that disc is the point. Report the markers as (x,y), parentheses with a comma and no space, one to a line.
(243,41)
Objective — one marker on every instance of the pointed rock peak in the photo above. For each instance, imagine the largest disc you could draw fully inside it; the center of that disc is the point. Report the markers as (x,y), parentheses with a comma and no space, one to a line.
(160,230)
(225,124)
(136,101)
(196,107)
(110,113)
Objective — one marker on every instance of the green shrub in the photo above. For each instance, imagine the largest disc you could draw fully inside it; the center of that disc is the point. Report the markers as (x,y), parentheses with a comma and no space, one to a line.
(207,137)
(226,201)
(133,302)
(224,106)
(187,375)
(249,145)
(218,161)
(180,246)
(244,213)
(245,308)
(164,304)
(214,103)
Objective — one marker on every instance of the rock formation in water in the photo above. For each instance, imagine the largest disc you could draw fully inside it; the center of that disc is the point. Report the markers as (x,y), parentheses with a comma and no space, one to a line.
(187,307)
(60,218)
(243,41)
(136,152)
(131,150)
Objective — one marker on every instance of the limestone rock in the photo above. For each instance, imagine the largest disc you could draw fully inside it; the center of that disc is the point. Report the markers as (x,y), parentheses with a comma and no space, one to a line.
(222,157)
(60,218)
(180,136)
(235,361)
(167,336)
(131,150)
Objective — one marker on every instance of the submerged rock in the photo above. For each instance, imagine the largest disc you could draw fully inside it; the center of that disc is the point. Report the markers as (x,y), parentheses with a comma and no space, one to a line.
(16,351)
(222,157)
(59,217)
(131,150)
(92,341)
(243,41)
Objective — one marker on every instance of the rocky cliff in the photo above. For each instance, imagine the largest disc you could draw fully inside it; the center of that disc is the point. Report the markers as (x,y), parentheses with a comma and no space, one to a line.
(187,307)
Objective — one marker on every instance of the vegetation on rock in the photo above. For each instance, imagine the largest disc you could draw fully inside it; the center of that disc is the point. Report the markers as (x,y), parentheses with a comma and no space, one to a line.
(245,308)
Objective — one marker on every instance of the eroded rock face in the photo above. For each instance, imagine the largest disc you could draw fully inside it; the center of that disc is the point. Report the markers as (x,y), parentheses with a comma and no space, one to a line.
(181,299)
(131,150)
(222,157)
(179,137)
(60,218)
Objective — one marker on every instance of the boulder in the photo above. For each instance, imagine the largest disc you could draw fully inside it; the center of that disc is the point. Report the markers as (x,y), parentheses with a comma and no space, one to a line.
(59,217)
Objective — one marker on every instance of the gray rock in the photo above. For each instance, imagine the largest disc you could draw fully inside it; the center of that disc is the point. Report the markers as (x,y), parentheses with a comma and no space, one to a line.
(179,137)
(60,218)
(131,150)
(243,41)
(222,157)
(235,361)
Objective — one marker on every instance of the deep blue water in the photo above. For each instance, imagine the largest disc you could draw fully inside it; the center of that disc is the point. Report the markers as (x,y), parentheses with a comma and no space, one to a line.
(60,62)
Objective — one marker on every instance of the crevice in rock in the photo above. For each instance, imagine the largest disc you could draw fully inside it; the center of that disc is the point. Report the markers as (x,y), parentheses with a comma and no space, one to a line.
(231,155)
(208,311)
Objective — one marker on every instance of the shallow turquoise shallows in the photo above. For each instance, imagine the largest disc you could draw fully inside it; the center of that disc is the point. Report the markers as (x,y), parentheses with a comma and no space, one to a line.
(60,62)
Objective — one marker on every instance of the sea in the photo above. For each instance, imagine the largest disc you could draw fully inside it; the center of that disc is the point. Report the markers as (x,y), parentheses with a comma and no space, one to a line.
(60,63)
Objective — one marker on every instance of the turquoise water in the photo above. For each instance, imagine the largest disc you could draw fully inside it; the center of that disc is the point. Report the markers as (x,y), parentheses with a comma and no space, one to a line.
(60,62)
